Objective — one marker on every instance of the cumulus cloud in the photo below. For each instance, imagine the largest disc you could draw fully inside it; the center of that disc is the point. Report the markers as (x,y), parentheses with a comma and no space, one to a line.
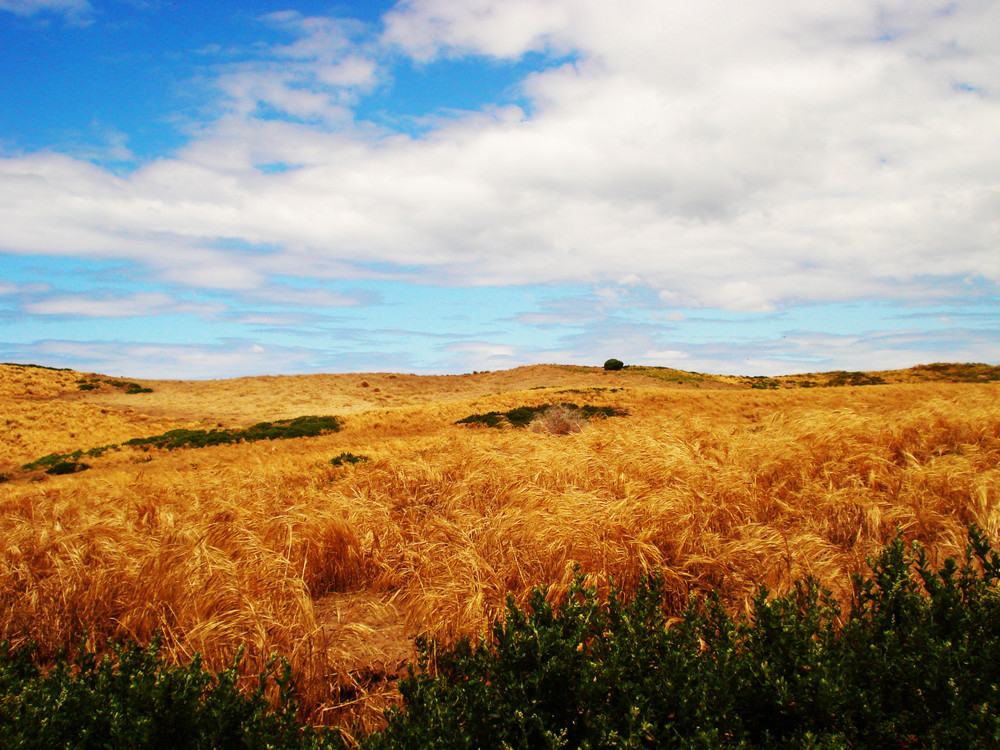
(740,156)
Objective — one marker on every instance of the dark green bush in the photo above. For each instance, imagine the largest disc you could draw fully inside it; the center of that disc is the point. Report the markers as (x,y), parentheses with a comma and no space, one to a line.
(614,364)
(914,663)
(348,458)
(281,429)
(67,467)
(125,385)
(132,698)
(182,438)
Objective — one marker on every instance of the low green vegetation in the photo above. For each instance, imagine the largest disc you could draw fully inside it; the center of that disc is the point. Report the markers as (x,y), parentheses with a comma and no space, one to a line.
(614,364)
(940,372)
(51,460)
(841,378)
(681,377)
(914,662)
(348,458)
(974,372)
(597,389)
(67,467)
(282,429)
(22,366)
(522,416)
(95,383)
(133,698)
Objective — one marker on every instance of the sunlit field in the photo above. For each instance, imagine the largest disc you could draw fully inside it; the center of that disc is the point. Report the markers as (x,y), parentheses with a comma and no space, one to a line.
(336,566)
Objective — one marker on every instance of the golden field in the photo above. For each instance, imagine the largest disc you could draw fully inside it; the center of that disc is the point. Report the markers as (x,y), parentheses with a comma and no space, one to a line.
(270,546)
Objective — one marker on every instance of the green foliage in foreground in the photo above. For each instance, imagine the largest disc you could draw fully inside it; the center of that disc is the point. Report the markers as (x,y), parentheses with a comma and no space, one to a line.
(914,663)
(134,699)
(523,415)
(282,429)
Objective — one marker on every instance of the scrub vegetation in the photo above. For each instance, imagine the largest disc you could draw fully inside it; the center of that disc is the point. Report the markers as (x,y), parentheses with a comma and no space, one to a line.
(702,488)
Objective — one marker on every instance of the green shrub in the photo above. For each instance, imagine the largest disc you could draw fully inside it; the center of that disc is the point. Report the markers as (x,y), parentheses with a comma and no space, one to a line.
(67,467)
(125,385)
(842,378)
(281,429)
(132,698)
(348,458)
(914,663)
(614,364)
(182,438)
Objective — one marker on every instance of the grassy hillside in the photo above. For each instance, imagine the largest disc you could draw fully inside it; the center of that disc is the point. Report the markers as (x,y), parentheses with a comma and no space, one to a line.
(336,564)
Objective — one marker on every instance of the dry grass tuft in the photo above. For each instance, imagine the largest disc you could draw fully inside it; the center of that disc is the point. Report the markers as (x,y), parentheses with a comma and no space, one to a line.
(558,420)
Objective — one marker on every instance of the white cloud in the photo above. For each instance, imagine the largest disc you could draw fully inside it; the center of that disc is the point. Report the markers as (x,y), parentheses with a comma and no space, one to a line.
(167,361)
(729,154)
(77,11)
(124,306)
(482,355)
(428,28)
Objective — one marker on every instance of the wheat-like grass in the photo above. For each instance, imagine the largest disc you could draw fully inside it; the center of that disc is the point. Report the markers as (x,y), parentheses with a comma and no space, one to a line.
(269,546)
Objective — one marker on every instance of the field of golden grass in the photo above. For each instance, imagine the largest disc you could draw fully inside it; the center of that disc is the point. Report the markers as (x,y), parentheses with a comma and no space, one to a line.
(270,546)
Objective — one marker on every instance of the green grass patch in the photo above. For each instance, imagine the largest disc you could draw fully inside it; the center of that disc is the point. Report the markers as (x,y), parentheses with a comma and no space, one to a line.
(523,415)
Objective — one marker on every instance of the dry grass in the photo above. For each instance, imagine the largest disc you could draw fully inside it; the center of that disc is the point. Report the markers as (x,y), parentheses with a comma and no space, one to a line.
(558,420)
(268,545)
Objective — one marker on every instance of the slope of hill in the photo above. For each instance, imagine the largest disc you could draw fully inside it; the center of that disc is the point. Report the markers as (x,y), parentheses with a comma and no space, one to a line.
(334,550)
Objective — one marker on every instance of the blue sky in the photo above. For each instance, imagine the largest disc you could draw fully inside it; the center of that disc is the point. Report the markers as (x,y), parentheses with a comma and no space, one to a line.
(199,190)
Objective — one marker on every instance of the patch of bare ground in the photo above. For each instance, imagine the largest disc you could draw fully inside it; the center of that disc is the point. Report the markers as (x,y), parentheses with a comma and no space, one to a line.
(370,645)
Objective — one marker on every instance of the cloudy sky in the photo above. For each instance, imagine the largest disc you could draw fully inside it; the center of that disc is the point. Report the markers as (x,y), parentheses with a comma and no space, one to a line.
(202,190)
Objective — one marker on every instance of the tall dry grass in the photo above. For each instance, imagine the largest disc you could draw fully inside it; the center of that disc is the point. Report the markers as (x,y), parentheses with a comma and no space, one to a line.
(271,547)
